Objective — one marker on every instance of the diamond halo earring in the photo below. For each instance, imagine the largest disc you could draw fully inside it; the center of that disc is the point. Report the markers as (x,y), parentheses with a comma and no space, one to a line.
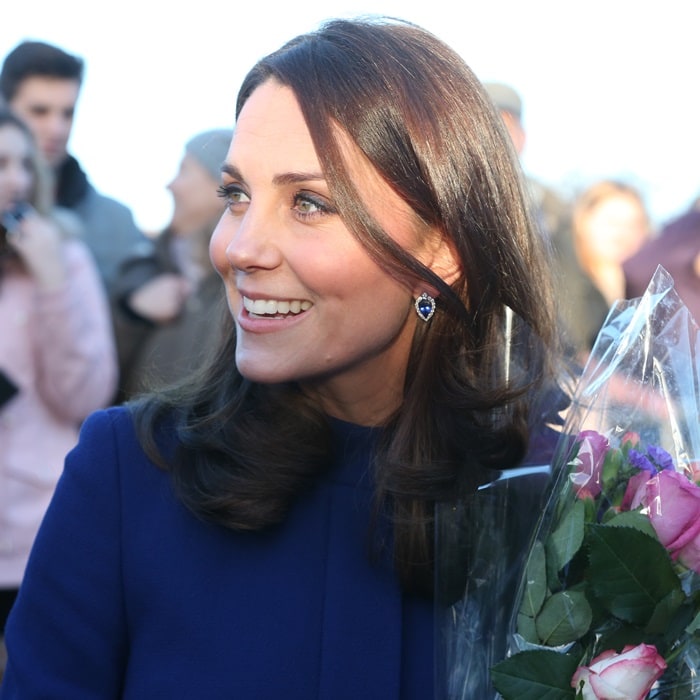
(425,306)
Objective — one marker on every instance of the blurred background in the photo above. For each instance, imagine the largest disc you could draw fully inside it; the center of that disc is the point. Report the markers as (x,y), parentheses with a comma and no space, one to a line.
(610,88)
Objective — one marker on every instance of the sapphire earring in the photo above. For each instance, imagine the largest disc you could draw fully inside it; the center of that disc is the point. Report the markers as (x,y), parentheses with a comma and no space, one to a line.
(425,306)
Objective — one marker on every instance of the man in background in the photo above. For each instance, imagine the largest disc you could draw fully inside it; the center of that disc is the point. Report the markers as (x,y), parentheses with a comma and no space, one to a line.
(583,308)
(41,83)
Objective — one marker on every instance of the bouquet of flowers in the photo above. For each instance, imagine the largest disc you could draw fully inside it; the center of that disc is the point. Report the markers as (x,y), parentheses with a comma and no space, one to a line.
(609,603)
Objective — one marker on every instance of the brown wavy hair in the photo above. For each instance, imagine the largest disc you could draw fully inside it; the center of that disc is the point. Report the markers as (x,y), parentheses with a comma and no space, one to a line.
(421,118)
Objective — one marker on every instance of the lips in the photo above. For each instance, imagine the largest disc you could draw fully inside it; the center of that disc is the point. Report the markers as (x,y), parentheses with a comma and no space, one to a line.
(269,308)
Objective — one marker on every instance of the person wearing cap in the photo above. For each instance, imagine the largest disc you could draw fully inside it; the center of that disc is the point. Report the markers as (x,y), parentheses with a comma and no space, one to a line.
(175,292)
(583,308)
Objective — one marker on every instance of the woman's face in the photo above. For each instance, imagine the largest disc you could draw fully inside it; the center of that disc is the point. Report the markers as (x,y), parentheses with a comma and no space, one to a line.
(16,176)
(195,201)
(616,228)
(309,303)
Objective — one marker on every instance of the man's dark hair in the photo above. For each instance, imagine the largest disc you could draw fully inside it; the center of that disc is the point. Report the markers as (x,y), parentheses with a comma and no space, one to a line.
(36,58)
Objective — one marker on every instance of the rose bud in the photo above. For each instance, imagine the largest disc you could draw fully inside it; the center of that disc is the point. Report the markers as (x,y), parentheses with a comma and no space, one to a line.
(628,675)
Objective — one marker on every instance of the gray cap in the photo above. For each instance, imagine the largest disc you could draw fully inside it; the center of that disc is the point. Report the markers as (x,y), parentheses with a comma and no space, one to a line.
(505,98)
(210,148)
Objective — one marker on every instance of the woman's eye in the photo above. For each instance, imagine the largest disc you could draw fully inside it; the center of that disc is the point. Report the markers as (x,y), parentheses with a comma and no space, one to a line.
(307,205)
(233,195)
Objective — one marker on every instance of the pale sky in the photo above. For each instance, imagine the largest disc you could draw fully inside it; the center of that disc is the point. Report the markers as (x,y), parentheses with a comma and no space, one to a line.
(611,88)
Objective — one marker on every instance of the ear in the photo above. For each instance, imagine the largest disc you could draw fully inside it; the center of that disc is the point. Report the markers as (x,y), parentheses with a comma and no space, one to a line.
(443,260)
(447,264)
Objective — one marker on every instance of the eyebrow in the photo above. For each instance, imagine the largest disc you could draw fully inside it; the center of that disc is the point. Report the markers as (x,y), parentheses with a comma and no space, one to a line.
(290,178)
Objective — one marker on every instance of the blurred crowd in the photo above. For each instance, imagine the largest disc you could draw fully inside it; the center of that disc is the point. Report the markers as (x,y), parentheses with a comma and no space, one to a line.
(94,311)
(605,247)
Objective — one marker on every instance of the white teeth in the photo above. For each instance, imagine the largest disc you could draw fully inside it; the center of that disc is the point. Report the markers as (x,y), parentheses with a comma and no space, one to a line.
(272,307)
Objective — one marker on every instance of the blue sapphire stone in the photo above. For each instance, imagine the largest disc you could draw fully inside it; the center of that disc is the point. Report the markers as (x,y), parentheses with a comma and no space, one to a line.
(425,306)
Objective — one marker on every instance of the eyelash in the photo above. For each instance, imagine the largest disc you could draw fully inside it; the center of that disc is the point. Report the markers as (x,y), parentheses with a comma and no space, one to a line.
(228,192)
(322,206)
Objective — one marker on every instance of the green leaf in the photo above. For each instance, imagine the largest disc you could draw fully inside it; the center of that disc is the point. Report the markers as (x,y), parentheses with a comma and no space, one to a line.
(566,539)
(694,626)
(633,519)
(590,513)
(535,588)
(611,467)
(565,617)
(630,572)
(527,629)
(665,611)
(535,675)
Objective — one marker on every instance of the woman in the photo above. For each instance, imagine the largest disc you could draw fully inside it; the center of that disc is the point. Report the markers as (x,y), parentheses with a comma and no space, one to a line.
(175,292)
(57,354)
(375,232)
(610,224)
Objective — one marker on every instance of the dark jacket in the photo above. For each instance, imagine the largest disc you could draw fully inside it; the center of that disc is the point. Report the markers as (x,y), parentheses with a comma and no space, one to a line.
(164,353)
(129,595)
(582,307)
(112,237)
(109,229)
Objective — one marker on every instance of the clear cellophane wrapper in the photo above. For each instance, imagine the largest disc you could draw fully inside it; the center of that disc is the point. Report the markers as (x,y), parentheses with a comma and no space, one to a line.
(526,542)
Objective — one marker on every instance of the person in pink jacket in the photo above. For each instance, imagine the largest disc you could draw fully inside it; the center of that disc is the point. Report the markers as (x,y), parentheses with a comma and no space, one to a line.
(57,353)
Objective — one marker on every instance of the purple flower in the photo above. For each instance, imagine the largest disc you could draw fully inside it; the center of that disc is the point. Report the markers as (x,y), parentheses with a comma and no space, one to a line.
(660,457)
(641,462)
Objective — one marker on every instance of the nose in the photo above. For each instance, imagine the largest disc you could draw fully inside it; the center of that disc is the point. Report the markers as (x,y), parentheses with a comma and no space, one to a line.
(245,243)
(172,186)
(62,125)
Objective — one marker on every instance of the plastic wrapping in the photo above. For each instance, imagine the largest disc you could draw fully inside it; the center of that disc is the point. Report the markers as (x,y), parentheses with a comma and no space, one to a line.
(482,541)
(610,598)
(597,593)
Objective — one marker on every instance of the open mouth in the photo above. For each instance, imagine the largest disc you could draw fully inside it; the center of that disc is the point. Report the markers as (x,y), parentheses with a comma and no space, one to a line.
(275,308)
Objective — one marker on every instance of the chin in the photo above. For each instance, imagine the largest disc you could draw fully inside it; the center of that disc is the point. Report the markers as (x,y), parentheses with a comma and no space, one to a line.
(256,371)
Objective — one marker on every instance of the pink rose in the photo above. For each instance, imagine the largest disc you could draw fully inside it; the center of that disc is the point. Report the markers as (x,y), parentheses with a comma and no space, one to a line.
(589,463)
(674,510)
(692,471)
(628,675)
(635,491)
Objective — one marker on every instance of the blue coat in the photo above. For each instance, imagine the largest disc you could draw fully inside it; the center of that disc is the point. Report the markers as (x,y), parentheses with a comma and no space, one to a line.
(129,595)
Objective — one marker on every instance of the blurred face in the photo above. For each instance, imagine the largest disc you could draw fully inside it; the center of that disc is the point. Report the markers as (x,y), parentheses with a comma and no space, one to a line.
(309,303)
(47,105)
(515,130)
(195,197)
(16,178)
(616,228)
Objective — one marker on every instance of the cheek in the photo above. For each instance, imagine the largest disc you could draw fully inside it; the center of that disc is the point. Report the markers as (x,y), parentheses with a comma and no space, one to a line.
(374,302)
(217,251)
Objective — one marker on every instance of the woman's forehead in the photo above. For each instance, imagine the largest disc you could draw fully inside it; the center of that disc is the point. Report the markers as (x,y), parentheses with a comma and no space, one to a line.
(271,117)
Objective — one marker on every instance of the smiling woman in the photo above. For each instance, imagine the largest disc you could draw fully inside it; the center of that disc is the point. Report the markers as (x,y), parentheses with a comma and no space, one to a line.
(283,244)
(389,339)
